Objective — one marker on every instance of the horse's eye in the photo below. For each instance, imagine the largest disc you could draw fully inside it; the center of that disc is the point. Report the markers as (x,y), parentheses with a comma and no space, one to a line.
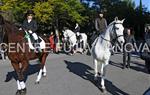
(116,28)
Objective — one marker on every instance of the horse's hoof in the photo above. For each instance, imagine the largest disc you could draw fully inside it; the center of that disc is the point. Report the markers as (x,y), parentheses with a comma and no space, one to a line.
(103,90)
(23,91)
(44,76)
(99,74)
(18,92)
(37,82)
(70,54)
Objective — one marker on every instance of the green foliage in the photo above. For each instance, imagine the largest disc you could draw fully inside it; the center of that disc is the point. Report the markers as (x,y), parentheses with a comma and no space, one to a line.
(43,11)
(60,13)
(15,7)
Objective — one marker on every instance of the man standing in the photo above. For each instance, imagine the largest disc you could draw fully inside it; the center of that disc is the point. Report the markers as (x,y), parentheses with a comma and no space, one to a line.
(100,24)
(128,46)
(146,54)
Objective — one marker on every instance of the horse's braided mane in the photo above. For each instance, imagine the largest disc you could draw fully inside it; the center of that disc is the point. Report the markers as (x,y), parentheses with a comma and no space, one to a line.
(12,25)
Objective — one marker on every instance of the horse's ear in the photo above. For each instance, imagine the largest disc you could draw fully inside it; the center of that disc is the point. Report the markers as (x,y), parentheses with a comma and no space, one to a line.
(116,18)
(1,20)
(123,20)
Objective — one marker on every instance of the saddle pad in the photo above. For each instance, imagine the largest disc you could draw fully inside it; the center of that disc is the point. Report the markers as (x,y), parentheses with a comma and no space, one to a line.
(41,42)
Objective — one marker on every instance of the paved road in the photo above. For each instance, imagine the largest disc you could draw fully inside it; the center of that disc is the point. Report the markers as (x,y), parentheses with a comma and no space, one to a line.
(73,75)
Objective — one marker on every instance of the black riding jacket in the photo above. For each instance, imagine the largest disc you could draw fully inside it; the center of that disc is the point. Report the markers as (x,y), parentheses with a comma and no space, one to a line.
(30,26)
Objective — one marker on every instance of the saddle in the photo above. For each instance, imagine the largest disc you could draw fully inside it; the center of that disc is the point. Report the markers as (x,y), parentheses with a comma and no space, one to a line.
(33,43)
(33,40)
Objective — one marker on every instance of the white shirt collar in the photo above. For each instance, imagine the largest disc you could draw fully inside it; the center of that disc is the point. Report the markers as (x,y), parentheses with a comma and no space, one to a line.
(29,20)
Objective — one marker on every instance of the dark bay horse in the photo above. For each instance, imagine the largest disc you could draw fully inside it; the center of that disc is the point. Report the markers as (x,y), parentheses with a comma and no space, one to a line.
(19,58)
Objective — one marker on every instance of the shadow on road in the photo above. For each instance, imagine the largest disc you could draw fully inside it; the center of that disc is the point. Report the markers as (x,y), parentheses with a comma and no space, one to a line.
(134,65)
(119,65)
(31,70)
(83,71)
(139,67)
(147,92)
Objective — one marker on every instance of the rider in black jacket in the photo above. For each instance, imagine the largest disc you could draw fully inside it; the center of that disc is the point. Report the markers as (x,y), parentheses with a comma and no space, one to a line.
(30,25)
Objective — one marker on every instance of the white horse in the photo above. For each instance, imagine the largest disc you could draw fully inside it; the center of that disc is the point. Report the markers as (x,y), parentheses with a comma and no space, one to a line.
(71,36)
(101,47)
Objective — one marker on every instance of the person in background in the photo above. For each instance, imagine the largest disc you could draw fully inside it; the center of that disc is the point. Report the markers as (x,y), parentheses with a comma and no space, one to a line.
(52,43)
(57,43)
(77,28)
(128,46)
(146,54)
(77,32)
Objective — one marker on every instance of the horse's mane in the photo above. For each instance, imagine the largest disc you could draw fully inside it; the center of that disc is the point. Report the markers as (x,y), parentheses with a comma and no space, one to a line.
(11,25)
(111,23)
(7,24)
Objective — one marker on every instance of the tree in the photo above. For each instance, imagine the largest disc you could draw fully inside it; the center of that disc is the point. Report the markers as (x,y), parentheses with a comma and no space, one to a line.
(15,8)
(59,13)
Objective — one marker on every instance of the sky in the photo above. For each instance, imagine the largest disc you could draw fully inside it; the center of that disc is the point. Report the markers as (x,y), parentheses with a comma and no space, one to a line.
(146,3)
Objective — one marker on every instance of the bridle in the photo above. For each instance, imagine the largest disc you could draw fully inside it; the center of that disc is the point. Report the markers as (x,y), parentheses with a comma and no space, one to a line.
(114,39)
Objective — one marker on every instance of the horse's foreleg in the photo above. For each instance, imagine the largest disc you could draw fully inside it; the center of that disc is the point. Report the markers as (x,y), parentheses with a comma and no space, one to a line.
(103,73)
(95,69)
(20,83)
(17,69)
(24,68)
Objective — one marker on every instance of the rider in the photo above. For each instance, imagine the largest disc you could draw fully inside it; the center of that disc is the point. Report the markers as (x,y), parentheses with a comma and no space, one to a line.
(100,24)
(30,25)
(77,32)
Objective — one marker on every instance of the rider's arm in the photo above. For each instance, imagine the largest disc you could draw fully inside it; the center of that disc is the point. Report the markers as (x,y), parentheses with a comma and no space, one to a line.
(34,28)
(96,25)
(76,26)
(105,23)
(24,25)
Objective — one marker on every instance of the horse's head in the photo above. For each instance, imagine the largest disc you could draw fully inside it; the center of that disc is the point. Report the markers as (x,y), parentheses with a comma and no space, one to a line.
(118,30)
(65,34)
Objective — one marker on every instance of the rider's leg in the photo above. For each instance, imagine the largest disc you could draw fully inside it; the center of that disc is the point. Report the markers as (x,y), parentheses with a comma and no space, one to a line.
(37,45)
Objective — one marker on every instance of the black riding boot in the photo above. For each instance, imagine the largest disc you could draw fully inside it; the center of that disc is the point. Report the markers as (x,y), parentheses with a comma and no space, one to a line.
(37,46)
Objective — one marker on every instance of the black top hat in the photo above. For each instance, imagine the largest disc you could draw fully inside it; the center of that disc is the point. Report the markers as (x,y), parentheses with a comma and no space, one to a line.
(101,12)
(29,12)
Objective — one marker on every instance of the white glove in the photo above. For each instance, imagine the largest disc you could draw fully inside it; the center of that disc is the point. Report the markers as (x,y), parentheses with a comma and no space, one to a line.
(30,31)
(20,29)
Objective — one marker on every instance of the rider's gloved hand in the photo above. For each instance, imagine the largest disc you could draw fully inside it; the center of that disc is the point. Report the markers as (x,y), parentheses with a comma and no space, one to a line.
(20,29)
(30,31)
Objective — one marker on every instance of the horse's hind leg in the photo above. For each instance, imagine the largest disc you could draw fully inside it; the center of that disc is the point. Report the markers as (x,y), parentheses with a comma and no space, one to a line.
(42,68)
